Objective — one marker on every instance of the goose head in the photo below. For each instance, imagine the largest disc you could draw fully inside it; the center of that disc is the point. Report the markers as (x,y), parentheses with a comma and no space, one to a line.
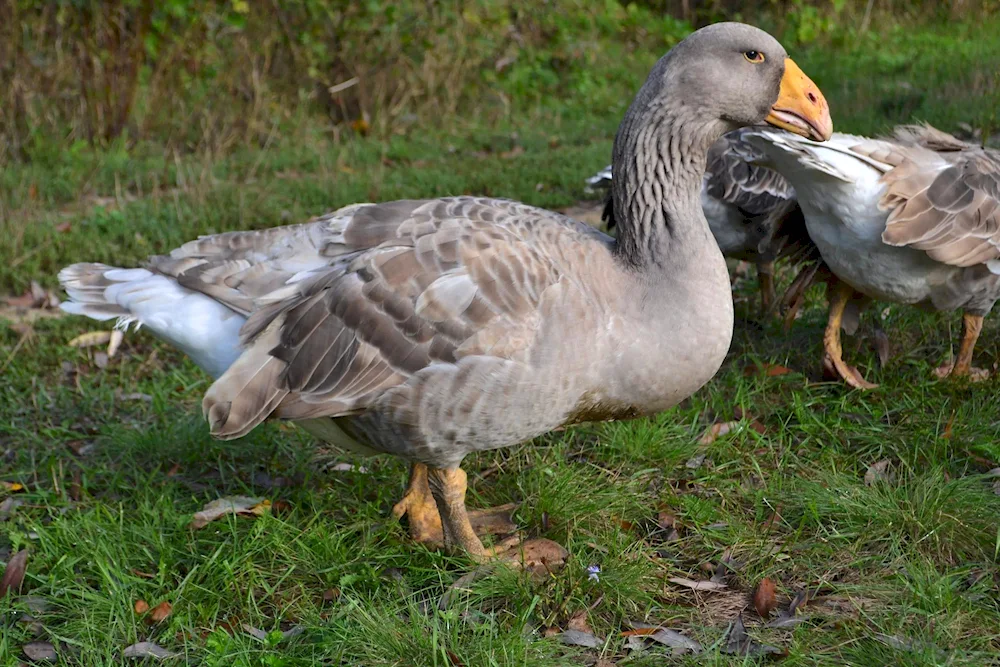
(731,75)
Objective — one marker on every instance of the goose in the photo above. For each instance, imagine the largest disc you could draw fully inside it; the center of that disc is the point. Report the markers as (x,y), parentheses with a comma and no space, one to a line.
(432,329)
(913,218)
(751,209)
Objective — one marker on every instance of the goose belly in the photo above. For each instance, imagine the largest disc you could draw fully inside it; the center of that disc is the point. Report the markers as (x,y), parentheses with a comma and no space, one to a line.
(849,238)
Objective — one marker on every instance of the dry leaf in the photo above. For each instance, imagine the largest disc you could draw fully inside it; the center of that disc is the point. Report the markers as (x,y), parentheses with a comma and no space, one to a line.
(140,607)
(882,347)
(12,487)
(738,642)
(348,467)
(229,505)
(946,434)
(675,640)
(40,651)
(717,430)
(160,612)
(331,594)
(13,574)
(539,557)
(90,339)
(698,585)
(695,462)
(877,471)
(148,650)
(578,621)
(64,227)
(764,600)
(579,638)
(256,633)
(8,506)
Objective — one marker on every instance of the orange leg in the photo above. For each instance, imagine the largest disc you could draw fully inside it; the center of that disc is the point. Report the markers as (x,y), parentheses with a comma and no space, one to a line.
(972,326)
(833,353)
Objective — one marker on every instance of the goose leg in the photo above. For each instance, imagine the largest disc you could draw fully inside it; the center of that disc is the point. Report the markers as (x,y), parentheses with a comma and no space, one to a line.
(419,507)
(421,510)
(833,353)
(765,276)
(972,326)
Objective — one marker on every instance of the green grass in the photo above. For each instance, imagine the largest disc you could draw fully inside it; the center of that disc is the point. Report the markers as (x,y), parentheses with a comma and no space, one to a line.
(912,557)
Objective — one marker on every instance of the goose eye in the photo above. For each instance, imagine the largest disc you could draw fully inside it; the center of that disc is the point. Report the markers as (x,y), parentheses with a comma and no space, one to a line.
(754,56)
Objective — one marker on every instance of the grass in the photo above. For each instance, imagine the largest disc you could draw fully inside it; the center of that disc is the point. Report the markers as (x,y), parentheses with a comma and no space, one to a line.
(905,568)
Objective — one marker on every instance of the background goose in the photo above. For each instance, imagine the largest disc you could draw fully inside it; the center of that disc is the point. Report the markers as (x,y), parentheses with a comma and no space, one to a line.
(914,219)
(751,209)
(432,329)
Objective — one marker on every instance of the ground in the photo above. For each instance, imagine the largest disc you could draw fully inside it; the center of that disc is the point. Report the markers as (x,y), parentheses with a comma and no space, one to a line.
(879,506)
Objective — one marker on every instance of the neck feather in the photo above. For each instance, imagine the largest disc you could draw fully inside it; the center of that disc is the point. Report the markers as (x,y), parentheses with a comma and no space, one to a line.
(658,164)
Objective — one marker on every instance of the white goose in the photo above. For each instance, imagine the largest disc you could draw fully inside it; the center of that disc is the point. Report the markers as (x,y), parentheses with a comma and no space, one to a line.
(911,219)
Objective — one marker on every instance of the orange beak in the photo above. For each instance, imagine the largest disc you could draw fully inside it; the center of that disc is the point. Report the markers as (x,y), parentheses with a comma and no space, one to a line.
(801,107)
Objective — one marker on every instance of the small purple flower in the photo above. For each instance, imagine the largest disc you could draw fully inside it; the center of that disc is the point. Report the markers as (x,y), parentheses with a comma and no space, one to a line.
(592,572)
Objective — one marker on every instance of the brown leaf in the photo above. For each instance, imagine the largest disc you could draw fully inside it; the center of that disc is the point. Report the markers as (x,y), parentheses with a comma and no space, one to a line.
(882,347)
(361,126)
(40,651)
(550,631)
(64,227)
(578,621)
(539,556)
(698,585)
(148,650)
(33,192)
(878,471)
(160,612)
(13,574)
(716,430)
(141,607)
(665,519)
(764,599)
(665,636)
(331,594)
(229,505)
(946,434)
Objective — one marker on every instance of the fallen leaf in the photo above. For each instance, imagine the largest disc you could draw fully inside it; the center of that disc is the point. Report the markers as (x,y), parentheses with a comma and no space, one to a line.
(229,505)
(90,339)
(360,126)
(551,631)
(775,370)
(40,651)
(877,471)
(256,633)
(695,462)
(946,434)
(579,638)
(64,227)
(148,650)
(578,621)
(882,346)
(12,487)
(716,430)
(539,556)
(160,612)
(13,574)
(80,447)
(140,607)
(331,594)
(698,585)
(675,640)
(764,600)
(738,642)
(8,506)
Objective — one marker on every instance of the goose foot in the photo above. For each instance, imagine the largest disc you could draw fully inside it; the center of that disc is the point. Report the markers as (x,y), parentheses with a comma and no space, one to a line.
(448,487)
(833,353)
(972,326)
(421,511)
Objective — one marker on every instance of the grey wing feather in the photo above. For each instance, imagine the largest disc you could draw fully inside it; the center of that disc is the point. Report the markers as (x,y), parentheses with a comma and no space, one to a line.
(945,202)
(418,283)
